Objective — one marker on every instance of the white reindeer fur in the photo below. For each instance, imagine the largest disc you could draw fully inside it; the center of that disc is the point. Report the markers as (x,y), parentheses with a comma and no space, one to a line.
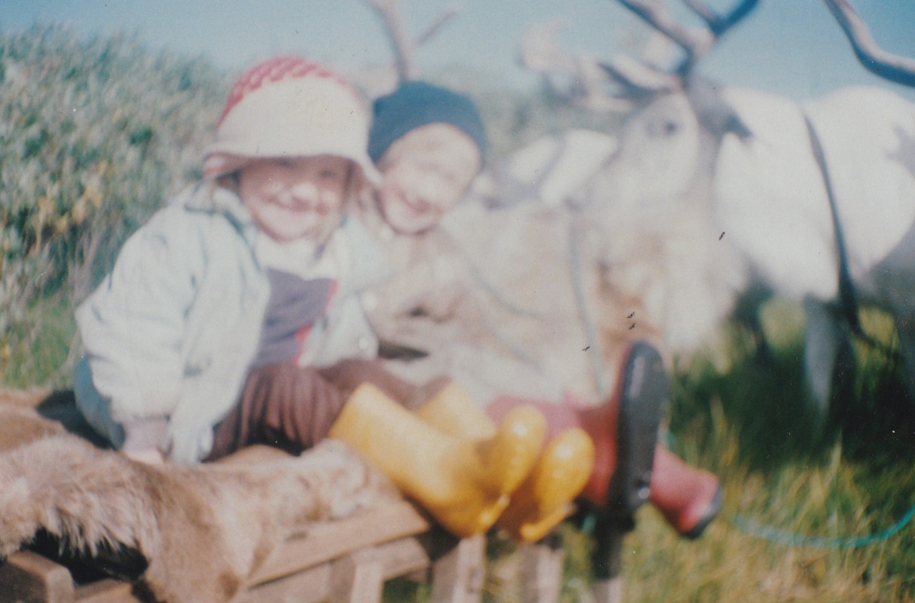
(770,193)
(203,530)
(770,197)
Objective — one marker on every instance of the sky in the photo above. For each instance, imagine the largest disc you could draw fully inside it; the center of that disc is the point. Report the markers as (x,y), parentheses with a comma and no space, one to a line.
(789,47)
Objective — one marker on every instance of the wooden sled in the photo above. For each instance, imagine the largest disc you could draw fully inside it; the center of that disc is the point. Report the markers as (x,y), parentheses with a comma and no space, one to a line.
(344,561)
(347,560)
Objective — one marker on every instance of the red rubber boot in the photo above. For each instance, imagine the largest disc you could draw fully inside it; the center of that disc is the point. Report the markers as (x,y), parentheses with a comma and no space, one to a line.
(630,466)
(689,498)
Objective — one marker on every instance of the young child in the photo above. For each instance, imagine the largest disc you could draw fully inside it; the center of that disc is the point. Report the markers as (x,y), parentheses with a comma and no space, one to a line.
(429,144)
(211,331)
(249,268)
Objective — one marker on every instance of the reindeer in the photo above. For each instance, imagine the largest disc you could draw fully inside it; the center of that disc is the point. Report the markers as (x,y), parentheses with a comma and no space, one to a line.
(817,200)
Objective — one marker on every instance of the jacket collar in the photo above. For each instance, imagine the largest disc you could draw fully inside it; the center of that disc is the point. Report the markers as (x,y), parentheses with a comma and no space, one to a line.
(206,196)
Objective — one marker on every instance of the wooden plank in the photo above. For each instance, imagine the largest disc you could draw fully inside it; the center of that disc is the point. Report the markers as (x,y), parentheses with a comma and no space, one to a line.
(317,583)
(393,559)
(458,576)
(608,591)
(329,540)
(357,578)
(403,557)
(541,571)
(106,591)
(308,586)
(28,577)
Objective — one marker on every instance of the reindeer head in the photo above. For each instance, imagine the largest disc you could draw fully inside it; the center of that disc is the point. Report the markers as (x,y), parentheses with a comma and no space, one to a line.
(693,160)
(677,118)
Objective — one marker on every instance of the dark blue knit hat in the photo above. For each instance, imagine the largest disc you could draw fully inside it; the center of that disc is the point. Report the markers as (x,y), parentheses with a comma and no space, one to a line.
(416,104)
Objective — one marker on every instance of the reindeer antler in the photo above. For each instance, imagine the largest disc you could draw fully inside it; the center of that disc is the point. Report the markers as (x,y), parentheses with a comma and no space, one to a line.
(885,64)
(541,53)
(403,45)
(695,42)
(633,79)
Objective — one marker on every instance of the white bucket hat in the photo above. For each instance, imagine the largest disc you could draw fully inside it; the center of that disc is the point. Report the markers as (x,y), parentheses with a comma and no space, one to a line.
(290,107)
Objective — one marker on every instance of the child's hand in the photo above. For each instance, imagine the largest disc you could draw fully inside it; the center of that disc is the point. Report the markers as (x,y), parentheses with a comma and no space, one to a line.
(150,456)
(141,437)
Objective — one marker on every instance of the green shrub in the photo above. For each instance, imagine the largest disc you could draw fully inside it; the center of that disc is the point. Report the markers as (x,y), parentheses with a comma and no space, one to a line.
(94,135)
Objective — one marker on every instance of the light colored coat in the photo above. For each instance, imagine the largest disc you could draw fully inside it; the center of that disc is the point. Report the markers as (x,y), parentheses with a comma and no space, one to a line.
(171,331)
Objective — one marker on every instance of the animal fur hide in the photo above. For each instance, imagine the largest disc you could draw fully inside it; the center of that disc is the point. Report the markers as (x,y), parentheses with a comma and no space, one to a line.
(202,530)
(20,423)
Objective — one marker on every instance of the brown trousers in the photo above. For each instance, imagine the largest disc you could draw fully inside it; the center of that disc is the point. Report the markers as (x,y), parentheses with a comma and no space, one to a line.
(293,408)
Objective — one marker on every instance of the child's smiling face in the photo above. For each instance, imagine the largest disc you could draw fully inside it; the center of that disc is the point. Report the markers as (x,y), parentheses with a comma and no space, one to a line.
(425,174)
(295,198)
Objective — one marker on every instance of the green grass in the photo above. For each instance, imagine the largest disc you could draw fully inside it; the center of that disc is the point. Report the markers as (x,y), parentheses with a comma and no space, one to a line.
(37,351)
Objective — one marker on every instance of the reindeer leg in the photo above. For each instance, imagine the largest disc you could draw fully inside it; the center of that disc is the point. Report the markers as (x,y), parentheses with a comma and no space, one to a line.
(905,328)
(747,314)
(827,354)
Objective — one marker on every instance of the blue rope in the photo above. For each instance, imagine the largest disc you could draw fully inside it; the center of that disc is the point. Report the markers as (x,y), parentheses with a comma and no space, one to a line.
(778,536)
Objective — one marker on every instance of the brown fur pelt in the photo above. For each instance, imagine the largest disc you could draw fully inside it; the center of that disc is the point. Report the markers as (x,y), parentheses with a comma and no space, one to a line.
(21,425)
(29,398)
(203,530)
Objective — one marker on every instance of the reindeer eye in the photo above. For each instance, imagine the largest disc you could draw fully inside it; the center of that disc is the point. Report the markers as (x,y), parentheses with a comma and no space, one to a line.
(663,127)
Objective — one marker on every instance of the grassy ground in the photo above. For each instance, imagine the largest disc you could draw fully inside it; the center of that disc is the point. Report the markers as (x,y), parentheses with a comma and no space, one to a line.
(787,477)
(40,353)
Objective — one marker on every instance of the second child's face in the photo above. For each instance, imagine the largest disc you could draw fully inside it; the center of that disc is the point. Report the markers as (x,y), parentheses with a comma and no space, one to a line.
(426,174)
(295,198)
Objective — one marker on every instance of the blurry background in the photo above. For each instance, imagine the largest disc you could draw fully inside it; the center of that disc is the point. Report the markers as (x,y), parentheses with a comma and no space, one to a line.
(105,106)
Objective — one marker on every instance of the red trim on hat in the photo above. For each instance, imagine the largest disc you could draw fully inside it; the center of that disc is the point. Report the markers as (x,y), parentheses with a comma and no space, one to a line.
(275,70)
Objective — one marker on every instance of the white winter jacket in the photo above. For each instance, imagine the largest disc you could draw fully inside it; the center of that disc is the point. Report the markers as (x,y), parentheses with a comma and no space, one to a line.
(171,331)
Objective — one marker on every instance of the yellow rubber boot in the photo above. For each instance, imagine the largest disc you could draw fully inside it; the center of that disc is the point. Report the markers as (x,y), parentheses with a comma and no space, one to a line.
(464,483)
(545,498)
(453,411)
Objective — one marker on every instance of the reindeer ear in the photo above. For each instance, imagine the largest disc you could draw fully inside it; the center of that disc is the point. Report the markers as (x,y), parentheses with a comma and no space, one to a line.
(714,111)
(735,125)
